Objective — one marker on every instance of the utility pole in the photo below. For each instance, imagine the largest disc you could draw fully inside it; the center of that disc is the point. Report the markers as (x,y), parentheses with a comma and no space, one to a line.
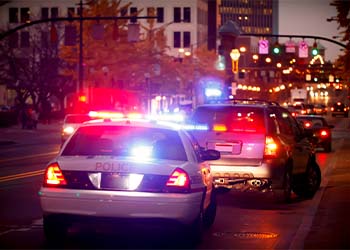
(81,69)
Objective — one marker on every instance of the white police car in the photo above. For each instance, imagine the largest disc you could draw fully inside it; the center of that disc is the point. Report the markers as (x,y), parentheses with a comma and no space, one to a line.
(133,169)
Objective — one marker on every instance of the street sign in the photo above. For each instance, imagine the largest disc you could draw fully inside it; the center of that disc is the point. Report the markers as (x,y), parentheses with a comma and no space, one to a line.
(303,50)
(290,46)
(263,46)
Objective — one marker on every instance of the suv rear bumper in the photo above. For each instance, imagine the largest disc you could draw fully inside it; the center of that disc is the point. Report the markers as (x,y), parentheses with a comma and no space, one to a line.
(265,176)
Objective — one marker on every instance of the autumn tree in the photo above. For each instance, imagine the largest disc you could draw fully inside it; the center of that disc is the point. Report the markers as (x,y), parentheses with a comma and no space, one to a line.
(112,61)
(343,9)
(30,67)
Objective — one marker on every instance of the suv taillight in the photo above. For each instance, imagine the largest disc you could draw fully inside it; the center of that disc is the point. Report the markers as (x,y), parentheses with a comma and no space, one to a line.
(179,181)
(271,147)
(54,176)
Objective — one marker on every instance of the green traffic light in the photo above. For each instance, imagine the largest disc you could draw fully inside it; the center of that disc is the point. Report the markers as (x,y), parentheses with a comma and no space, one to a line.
(276,50)
(314,52)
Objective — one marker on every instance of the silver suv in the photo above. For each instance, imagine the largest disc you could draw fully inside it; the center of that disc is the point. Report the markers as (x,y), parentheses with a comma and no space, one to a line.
(262,148)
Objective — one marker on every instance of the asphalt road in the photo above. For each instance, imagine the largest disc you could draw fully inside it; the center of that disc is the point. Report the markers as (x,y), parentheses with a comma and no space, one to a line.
(244,221)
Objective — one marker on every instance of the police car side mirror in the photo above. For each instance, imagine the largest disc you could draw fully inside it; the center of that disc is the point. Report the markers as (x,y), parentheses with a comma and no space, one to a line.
(210,155)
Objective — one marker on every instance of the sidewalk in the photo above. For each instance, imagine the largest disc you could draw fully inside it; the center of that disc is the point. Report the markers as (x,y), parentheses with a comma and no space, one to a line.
(10,135)
(330,228)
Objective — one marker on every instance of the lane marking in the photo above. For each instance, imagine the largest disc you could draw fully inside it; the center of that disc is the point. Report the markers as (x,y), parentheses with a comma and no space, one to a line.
(21,175)
(28,157)
(36,224)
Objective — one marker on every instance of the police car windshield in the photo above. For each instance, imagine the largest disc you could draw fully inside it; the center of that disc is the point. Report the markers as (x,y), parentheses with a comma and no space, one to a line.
(126,141)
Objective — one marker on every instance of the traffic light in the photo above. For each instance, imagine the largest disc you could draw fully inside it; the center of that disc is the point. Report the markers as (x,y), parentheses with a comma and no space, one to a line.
(276,49)
(314,50)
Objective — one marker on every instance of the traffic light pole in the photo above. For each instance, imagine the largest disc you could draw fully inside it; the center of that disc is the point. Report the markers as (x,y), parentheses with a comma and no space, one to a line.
(81,69)
(296,36)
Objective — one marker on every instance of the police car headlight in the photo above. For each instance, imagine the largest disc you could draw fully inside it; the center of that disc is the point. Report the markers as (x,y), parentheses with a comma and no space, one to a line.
(68,130)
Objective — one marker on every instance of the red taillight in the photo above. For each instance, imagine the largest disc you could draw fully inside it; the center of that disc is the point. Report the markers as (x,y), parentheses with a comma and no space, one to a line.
(271,147)
(54,176)
(324,133)
(307,124)
(178,179)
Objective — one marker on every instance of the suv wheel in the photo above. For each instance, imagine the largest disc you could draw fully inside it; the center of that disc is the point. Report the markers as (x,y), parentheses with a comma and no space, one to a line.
(284,194)
(310,182)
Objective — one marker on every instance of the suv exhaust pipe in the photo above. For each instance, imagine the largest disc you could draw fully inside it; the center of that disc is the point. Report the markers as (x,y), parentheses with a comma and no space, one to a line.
(257,183)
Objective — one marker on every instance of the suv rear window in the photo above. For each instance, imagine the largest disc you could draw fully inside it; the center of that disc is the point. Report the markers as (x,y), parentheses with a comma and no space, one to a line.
(126,141)
(235,119)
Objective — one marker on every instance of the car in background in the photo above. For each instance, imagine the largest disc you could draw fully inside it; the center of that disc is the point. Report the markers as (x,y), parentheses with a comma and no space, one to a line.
(71,122)
(309,109)
(319,128)
(339,108)
(299,109)
(129,170)
(262,148)
(320,109)
(292,110)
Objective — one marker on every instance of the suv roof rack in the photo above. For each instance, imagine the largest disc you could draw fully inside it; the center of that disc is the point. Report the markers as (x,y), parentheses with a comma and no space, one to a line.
(252,101)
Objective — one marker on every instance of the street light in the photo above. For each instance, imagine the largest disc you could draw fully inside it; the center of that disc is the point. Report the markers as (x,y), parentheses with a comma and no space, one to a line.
(235,57)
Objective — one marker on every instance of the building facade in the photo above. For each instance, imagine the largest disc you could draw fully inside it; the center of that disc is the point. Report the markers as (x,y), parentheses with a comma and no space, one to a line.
(186,21)
(253,16)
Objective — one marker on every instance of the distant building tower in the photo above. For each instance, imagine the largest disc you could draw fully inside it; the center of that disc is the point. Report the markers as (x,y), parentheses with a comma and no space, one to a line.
(254,17)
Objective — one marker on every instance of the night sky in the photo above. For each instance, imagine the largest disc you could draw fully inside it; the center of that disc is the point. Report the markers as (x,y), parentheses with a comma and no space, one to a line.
(309,17)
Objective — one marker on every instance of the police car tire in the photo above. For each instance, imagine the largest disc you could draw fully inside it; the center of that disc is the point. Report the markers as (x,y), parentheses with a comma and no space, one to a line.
(55,231)
(194,231)
(210,213)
